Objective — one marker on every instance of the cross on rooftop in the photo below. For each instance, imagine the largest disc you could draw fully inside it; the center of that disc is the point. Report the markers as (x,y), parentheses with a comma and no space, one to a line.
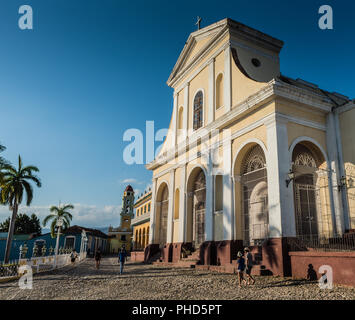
(198,23)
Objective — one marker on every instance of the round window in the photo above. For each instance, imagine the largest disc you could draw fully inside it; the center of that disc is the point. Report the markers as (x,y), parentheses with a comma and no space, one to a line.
(256,62)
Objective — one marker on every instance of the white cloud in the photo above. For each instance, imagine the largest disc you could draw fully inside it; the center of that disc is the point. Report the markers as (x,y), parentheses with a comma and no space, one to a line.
(90,216)
(130,180)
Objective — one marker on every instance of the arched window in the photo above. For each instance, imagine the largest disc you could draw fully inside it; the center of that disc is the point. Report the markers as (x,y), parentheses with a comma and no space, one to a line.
(198,110)
(219,91)
(255,196)
(310,193)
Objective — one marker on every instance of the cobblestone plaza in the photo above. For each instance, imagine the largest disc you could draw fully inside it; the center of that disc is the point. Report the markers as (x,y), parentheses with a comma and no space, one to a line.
(150,282)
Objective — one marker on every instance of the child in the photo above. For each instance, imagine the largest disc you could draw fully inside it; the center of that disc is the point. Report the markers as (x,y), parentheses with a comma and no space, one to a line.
(240,269)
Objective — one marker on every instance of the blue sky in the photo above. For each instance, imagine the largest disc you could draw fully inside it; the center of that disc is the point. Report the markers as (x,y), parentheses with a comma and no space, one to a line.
(90,69)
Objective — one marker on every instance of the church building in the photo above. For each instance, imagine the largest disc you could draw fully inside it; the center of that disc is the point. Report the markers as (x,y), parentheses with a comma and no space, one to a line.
(122,236)
(252,157)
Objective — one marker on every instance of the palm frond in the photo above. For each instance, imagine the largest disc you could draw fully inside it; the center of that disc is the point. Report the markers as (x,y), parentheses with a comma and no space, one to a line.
(35,179)
(46,219)
(68,206)
(54,209)
(29,192)
(29,169)
(19,163)
(68,214)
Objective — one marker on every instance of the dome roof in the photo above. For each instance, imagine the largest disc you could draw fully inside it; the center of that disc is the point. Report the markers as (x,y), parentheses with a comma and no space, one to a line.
(129,188)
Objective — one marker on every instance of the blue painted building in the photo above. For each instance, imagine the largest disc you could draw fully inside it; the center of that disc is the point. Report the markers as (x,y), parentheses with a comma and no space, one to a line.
(71,238)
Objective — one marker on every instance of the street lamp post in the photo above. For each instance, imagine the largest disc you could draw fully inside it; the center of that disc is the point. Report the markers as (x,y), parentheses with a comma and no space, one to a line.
(59,224)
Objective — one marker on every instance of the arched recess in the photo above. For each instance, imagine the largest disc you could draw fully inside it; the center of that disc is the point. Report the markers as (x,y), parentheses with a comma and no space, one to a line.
(140,239)
(143,238)
(313,217)
(180,123)
(136,241)
(196,205)
(251,193)
(147,238)
(219,91)
(176,204)
(162,205)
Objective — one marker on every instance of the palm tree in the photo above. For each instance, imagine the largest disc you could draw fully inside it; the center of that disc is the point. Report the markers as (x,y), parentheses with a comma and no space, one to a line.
(59,212)
(16,182)
(3,162)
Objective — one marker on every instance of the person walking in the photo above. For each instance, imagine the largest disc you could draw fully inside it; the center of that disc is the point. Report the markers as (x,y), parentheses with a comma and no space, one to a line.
(249,265)
(122,258)
(98,258)
(240,268)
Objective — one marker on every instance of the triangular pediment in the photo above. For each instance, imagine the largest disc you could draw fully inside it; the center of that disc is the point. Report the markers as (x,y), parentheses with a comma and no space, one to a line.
(196,45)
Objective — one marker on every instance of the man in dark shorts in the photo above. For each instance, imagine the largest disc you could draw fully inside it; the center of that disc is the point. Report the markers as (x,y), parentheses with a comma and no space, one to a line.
(98,258)
(249,265)
(122,258)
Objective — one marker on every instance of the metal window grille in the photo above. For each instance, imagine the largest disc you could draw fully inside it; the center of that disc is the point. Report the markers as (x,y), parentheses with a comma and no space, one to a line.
(255,198)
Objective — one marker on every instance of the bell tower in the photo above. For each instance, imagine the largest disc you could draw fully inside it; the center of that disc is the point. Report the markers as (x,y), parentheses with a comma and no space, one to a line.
(127,208)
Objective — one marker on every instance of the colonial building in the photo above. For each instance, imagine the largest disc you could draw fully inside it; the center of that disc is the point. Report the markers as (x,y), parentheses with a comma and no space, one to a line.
(252,157)
(81,239)
(123,234)
(141,221)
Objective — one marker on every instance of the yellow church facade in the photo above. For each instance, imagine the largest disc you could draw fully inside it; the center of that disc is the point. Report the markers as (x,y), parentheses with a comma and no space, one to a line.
(251,155)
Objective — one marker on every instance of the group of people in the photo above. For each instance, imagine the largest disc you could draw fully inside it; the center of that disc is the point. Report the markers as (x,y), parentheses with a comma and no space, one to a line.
(122,256)
(244,266)
(244,263)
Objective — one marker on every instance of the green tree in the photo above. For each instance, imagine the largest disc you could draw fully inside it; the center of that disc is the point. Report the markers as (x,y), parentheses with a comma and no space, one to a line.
(59,212)
(16,183)
(24,225)
(3,162)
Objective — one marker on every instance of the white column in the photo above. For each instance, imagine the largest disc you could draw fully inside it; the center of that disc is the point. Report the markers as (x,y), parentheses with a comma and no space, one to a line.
(182,205)
(281,202)
(334,176)
(209,200)
(175,119)
(227,188)
(211,91)
(153,213)
(227,80)
(342,172)
(170,224)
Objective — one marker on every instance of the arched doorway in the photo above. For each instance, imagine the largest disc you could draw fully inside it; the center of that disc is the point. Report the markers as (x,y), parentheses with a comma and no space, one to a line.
(254,190)
(311,192)
(162,205)
(196,205)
